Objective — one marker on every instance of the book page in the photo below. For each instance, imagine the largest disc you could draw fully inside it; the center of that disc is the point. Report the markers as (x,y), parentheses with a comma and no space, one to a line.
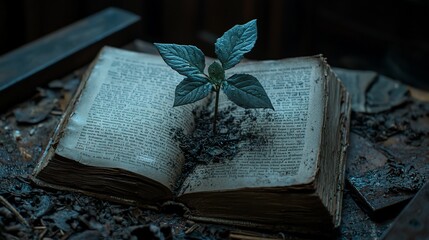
(292,131)
(125,116)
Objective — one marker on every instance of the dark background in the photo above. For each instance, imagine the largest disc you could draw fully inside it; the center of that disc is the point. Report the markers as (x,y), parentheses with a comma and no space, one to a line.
(387,36)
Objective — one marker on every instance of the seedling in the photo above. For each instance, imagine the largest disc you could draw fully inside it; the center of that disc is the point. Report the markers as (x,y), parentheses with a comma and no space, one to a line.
(242,89)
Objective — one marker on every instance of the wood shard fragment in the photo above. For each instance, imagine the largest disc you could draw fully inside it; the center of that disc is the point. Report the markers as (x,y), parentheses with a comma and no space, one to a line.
(14,211)
(413,221)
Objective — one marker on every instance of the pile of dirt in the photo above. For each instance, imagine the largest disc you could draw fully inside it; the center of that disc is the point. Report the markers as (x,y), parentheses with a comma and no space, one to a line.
(204,146)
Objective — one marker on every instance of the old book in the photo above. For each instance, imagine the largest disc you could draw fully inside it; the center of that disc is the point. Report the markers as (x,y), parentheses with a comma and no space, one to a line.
(114,142)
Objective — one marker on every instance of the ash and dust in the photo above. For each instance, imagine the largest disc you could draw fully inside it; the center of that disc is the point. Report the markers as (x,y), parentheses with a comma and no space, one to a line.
(234,134)
(402,136)
(395,177)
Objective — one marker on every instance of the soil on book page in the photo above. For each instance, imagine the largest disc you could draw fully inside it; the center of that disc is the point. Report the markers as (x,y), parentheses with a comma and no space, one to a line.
(204,146)
(30,212)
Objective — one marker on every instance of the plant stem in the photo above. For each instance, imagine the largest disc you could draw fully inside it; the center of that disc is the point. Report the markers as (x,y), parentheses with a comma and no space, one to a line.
(215,113)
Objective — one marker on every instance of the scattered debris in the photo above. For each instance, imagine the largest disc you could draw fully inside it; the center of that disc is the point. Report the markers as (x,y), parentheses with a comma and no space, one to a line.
(388,161)
(13,210)
(152,231)
(37,110)
(400,131)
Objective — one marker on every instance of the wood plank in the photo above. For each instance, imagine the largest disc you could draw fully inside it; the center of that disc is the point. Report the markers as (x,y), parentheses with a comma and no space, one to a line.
(59,53)
(413,221)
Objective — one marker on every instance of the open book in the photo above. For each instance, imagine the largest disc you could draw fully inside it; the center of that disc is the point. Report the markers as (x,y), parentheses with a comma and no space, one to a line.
(114,142)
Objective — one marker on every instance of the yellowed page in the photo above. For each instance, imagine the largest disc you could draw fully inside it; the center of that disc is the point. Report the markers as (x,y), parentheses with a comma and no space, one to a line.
(124,117)
(296,89)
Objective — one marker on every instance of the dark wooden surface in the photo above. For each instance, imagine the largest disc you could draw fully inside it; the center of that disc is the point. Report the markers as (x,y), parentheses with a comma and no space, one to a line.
(61,52)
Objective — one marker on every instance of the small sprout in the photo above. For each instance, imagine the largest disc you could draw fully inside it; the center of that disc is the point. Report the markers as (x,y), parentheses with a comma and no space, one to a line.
(242,89)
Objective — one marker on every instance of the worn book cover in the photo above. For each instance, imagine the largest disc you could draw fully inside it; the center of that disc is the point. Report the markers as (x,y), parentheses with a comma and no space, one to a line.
(115,142)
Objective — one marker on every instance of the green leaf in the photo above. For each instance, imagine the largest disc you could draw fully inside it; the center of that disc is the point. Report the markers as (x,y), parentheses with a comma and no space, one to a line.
(235,42)
(216,73)
(191,89)
(246,91)
(185,59)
